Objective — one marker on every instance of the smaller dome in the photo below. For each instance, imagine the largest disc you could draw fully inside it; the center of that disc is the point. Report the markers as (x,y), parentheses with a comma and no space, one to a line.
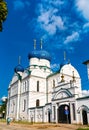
(19,68)
(68,69)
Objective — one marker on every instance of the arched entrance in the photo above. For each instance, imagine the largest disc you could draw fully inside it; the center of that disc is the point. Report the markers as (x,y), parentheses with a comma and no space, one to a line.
(84,116)
(64,114)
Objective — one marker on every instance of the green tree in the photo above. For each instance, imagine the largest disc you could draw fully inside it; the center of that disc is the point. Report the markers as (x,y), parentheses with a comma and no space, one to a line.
(3,12)
(3,106)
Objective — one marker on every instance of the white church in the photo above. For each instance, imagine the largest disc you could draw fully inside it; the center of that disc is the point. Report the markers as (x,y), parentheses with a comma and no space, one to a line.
(36,94)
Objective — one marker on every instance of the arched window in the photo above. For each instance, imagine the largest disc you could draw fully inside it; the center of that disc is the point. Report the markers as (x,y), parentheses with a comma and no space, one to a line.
(53,83)
(37,103)
(37,86)
(24,105)
(25,86)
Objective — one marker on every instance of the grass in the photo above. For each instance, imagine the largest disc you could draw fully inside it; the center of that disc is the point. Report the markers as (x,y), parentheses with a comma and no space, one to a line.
(87,128)
(41,126)
(2,120)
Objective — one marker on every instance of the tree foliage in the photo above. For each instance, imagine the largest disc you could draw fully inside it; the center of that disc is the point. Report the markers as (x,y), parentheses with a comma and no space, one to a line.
(3,107)
(3,12)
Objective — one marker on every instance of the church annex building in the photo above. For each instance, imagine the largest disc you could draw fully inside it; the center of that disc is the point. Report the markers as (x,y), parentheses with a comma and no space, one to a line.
(36,94)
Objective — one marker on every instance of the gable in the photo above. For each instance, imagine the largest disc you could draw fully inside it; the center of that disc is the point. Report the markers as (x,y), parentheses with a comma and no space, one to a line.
(14,79)
(62,93)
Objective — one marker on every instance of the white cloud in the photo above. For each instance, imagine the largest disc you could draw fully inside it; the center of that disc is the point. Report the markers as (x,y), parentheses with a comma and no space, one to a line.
(4,98)
(49,21)
(56,20)
(86,27)
(85,92)
(56,3)
(83,8)
(72,38)
(55,66)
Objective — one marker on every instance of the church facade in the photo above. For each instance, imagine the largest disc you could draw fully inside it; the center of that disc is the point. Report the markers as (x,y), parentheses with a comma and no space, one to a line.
(36,94)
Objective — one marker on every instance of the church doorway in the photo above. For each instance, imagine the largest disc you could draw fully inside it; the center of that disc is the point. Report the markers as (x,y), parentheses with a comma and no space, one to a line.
(84,116)
(64,114)
(49,116)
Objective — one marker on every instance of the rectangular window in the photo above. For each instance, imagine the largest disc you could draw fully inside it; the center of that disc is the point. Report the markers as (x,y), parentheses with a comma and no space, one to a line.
(53,83)
(37,86)
(37,103)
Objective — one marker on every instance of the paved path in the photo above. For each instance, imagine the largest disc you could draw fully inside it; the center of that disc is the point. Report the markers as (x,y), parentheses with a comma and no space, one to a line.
(14,126)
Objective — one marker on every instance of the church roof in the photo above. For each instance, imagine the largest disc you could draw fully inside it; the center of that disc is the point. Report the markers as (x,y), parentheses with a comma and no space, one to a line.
(42,54)
(68,69)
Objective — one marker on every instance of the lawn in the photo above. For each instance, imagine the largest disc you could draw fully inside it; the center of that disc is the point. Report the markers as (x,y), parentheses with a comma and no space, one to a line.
(83,128)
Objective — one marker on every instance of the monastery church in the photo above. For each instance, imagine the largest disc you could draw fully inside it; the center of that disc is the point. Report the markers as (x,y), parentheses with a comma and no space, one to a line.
(36,94)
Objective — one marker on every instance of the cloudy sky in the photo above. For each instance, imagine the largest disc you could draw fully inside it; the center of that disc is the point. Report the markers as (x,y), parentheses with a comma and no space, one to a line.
(62,24)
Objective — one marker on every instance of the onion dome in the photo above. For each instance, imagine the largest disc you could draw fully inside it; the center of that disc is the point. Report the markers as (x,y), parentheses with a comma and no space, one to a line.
(19,68)
(68,69)
(42,54)
(33,54)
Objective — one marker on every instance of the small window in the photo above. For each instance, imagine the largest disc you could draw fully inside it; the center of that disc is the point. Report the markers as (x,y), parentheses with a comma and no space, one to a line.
(25,85)
(37,103)
(53,83)
(24,104)
(37,86)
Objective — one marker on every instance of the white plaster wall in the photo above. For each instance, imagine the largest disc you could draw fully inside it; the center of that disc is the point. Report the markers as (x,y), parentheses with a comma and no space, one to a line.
(34,95)
(34,61)
(24,113)
(44,62)
(39,62)
(83,102)
(38,73)
(14,79)
(79,107)
(12,107)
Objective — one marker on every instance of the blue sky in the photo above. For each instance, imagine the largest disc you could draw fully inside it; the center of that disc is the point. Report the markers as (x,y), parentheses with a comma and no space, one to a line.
(62,24)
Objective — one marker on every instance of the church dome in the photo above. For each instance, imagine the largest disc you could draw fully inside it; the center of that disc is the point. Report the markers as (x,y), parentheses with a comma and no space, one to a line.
(19,68)
(45,55)
(68,69)
(42,54)
(33,54)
